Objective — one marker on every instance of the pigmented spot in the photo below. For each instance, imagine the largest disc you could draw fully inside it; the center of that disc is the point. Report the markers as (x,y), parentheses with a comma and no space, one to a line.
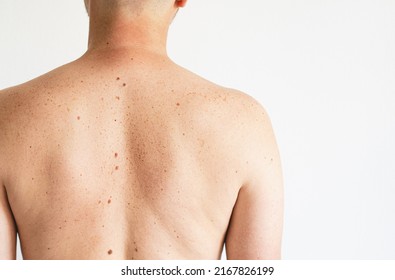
(118,78)
(99,202)
(178,104)
(82,81)
(117,98)
(124,84)
(117,167)
(60,227)
(48,248)
(109,252)
(116,155)
(236,171)
(108,43)
(178,236)
(109,201)
(136,250)
(30,147)
(78,117)
(32,179)
(131,58)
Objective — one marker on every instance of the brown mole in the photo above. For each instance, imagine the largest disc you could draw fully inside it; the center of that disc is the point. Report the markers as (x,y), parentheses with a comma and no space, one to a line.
(116,155)
(109,252)
(109,201)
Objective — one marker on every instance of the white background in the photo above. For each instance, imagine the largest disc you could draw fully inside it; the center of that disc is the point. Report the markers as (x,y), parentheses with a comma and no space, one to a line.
(323,69)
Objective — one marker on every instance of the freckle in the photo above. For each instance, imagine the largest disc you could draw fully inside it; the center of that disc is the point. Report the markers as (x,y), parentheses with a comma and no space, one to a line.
(30,147)
(109,252)
(117,97)
(116,167)
(271,159)
(178,236)
(32,179)
(82,81)
(78,118)
(165,170)
(60,227)
(136,249)
(109,201)
(99,202)
(161,189)
(108,43)
(46,192)
(49,248)
(131,58)
(102,226)
(178,104)
(236,171)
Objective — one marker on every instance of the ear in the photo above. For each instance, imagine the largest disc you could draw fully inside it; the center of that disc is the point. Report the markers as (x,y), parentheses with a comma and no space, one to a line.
(181,3)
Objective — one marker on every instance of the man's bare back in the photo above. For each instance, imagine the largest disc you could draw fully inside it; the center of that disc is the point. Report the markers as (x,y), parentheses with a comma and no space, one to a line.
(124,155)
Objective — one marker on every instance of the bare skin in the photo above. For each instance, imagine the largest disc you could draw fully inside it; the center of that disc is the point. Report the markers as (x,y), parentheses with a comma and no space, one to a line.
(122,154)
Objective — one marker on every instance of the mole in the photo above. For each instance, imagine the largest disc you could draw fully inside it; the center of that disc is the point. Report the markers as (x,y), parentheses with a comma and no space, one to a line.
(78,118)
(178,104)
(109,252)
(116,167)
(109,201)
(118,78)
(124,84)
(116,155)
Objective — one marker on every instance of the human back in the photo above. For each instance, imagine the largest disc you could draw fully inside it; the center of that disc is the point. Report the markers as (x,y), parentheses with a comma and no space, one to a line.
(122,154)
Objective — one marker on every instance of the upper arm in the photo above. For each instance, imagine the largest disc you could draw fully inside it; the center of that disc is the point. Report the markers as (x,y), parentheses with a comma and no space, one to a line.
(7,223)
(255,229)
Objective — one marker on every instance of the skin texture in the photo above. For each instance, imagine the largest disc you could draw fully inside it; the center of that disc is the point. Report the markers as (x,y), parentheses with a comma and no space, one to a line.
(123,154)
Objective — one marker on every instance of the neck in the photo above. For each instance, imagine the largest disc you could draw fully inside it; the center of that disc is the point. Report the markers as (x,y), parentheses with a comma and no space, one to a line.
(120,30)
